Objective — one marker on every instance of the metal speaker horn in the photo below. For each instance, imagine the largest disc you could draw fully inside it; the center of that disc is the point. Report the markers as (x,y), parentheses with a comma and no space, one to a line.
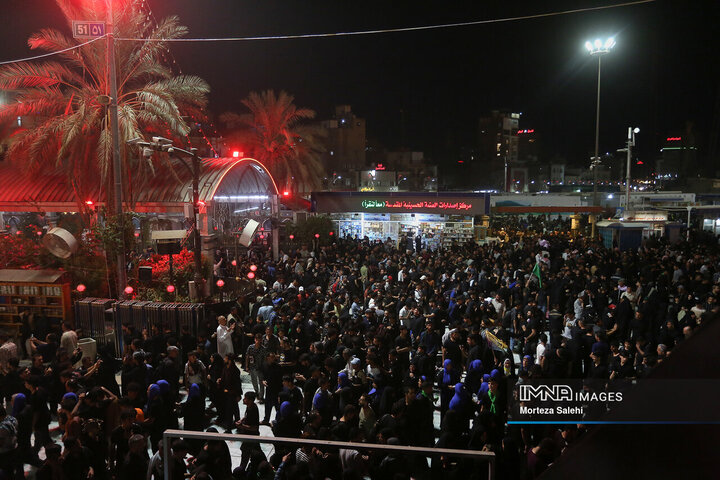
(60,242)
(248,232)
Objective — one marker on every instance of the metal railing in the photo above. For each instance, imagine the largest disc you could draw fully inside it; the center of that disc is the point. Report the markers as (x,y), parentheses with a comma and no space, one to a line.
(488,457)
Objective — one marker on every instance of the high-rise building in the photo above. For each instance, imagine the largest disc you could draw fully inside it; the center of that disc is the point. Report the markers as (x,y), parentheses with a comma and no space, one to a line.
(345,141)
(498,143)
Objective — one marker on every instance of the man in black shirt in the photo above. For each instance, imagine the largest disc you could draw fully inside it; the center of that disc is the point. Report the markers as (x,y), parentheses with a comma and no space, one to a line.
(273,385)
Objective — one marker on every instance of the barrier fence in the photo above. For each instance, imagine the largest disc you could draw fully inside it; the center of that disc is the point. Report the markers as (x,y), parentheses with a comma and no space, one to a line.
(427,452)
(103,318)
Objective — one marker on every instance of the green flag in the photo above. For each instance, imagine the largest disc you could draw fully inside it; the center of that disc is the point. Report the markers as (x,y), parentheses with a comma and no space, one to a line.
(536,272)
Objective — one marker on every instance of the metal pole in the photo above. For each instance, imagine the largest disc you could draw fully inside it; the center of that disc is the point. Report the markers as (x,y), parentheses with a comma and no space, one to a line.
(275,213)
(596,158)
(687,234)
(117,166)
(166,457)
(627,176)
(197,245)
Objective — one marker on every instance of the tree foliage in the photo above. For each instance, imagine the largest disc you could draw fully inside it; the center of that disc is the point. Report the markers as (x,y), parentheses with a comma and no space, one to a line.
(275,132)
(71,133)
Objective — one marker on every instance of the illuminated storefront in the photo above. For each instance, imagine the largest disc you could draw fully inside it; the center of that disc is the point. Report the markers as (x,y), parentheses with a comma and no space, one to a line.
(440,218)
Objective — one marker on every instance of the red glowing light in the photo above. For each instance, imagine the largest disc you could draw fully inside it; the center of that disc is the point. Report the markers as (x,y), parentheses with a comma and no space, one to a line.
(331,233)
(129,290)
(80,288)
(220,283)
(461,161)
(253,268)
(236,153)
(251,275)
(317,235)
(262,236)
(286,193)
(39,233)
(674,139)
(380,166)
(291,237)
(18,232)
(640,162)
(89,202)
(137,234)
(234,263)
(170,288)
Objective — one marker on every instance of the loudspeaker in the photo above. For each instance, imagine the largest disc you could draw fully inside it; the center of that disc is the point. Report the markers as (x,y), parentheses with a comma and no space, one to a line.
(145,274)
(248,232)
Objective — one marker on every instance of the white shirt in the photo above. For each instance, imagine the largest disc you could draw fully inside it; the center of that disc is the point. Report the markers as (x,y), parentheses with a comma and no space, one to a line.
(539,353)
(224,340)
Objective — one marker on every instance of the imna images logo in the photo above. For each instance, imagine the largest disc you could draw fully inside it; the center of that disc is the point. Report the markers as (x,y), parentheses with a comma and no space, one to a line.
(546,393)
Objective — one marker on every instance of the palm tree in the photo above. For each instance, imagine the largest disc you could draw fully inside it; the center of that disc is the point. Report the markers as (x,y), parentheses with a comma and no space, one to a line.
(72,131)
(274,134)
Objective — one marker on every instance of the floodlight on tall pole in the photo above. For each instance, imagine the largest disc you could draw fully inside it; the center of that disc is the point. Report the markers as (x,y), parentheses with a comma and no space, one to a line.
(598,48)
(116,159)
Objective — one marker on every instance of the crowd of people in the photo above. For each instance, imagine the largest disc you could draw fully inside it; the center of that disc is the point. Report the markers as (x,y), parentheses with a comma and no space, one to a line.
(364,343)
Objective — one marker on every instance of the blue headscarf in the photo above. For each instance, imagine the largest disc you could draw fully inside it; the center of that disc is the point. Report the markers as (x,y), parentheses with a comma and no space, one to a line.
(475,365)
(495,374)
(285,410)
(486,378)
(483,390)
(194,391)
(320,400)
(460,400)
(448,375)
(153,392)
(164,387)
(70,396)
(343,380)
(19,403)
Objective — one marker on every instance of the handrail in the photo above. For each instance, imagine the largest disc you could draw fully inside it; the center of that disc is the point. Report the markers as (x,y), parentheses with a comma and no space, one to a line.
(428,451)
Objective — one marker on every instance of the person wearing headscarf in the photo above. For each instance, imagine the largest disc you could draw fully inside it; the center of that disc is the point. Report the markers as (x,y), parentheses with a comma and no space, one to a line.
(474,376)
(155,415)
(288,422)
(193,412)
(461,403)
(23,413)
(169,403)
(447,378)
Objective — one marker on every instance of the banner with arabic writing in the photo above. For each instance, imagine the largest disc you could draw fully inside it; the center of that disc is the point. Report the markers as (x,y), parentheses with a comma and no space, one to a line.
(401,202)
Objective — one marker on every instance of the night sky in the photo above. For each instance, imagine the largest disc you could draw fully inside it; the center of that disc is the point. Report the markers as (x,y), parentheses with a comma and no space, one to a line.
(663,72)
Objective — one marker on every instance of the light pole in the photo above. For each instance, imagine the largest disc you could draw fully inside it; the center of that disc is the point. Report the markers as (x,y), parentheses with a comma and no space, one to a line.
(115,134)
(164,145)
(630,144)
(597,48)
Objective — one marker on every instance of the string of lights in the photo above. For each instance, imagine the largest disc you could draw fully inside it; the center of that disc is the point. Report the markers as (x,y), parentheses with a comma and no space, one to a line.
(391,30)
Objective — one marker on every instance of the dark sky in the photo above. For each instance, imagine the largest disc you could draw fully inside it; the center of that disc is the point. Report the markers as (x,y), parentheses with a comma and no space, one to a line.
(663,71)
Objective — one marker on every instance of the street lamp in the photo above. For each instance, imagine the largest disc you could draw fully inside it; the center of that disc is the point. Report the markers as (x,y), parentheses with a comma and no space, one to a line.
(598,48)
(164,145)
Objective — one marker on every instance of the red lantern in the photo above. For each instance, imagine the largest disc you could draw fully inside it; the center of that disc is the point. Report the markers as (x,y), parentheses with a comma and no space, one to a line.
(291,237)
(251,275)
(331,233)
(253,268)
(234,263)
(317,235)
(39,233)
(170,288)
(129,290)
(220,283)
(80,288)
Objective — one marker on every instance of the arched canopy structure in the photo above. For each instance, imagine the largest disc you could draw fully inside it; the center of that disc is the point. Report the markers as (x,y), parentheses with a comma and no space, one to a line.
(221,180)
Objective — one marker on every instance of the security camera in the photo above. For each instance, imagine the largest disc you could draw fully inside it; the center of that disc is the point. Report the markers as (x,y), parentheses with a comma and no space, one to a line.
(147,152)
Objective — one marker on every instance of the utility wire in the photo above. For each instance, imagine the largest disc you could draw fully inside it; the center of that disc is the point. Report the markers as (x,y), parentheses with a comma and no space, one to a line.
(387,30)
(28,59)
